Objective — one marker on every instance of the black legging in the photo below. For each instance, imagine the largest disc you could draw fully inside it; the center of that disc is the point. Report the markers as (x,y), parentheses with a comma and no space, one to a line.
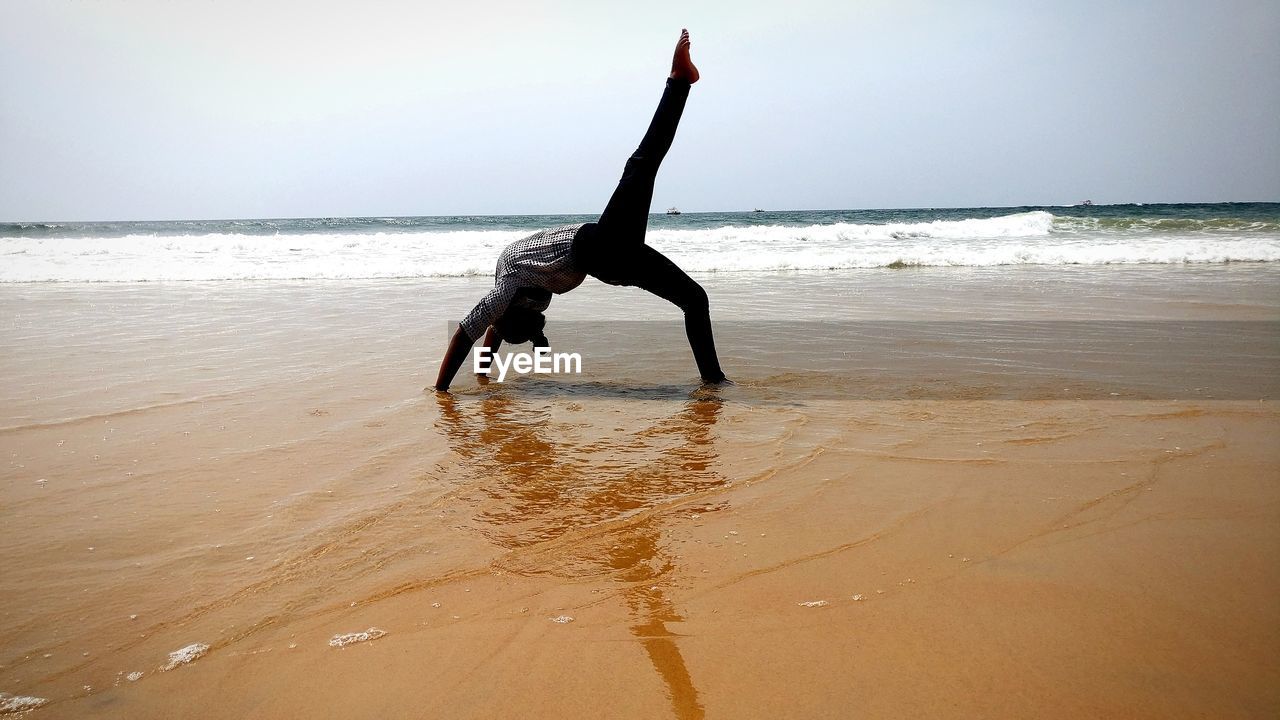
(613,250)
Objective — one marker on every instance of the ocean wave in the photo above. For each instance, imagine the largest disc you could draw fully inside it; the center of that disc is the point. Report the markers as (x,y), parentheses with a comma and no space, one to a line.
(1026,238)
(989,255)
(1166,224)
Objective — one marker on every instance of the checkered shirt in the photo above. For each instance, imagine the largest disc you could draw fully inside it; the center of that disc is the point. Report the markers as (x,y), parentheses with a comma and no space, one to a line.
(542,260)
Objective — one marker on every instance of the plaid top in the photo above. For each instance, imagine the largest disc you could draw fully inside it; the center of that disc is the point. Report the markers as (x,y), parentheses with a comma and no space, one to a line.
(542,260)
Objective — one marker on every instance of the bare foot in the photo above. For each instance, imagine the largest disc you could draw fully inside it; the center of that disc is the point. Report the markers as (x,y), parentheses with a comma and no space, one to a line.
(682,67)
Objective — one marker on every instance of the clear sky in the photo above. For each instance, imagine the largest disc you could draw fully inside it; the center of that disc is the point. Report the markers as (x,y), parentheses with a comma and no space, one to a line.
(167,109)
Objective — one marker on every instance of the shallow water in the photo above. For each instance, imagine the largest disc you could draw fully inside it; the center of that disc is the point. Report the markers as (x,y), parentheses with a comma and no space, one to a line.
(124,347)
(224,462)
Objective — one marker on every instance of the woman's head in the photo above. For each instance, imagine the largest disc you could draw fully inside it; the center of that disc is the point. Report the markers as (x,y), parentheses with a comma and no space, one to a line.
(520,325)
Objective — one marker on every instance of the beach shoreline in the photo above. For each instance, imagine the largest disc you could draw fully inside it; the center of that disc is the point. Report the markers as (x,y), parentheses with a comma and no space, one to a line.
(256,467)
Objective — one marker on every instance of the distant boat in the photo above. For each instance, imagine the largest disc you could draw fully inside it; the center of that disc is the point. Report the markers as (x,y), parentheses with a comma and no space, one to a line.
(757,210)
(1086,202)
(673,211)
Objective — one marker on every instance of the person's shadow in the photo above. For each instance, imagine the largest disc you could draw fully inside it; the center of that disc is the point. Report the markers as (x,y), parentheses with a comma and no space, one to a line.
(569,500)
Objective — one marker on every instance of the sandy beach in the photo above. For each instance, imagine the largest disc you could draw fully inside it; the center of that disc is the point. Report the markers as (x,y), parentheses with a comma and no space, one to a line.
(256,468)
(895,361)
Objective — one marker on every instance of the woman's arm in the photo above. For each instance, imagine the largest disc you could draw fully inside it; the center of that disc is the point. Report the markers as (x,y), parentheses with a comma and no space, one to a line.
(453,359)
(485,313)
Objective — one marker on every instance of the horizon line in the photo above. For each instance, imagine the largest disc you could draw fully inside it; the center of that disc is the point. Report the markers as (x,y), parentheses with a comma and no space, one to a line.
(682,212)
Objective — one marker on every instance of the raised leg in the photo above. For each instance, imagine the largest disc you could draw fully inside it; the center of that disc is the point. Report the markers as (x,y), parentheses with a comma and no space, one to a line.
(626,216)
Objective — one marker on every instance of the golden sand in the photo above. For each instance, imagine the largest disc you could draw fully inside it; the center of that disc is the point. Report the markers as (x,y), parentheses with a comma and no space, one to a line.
(975,559)
(511,551)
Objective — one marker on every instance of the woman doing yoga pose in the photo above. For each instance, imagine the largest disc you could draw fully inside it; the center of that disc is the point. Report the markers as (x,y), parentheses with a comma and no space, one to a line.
(612,249)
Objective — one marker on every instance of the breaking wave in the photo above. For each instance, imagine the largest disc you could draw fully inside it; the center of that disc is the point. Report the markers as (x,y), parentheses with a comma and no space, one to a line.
(1026,238)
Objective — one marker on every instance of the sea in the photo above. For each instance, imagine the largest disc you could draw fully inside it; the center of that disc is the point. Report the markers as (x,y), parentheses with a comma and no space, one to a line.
(753,242)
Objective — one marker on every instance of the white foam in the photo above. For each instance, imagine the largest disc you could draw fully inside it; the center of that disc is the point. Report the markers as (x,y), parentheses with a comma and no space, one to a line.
(562,619)
(814,603)
(346,639)
(19,703)
(226,256)
(134,676)
(182,656)
(1029,238)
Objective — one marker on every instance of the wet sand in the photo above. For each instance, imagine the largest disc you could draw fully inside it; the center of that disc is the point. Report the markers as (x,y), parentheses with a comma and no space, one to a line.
(255,467)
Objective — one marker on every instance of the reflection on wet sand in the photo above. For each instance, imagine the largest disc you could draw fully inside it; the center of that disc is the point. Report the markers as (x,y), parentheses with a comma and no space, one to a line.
(545,481)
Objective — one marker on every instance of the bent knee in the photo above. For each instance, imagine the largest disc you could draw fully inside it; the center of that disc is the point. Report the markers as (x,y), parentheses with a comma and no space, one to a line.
(695,300)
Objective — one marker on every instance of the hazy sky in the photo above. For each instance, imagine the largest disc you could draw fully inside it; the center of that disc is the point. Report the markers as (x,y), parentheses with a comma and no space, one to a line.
(141,109)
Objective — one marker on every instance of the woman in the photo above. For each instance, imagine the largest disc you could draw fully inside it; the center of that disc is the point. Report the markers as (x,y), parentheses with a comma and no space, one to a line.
(611,249)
